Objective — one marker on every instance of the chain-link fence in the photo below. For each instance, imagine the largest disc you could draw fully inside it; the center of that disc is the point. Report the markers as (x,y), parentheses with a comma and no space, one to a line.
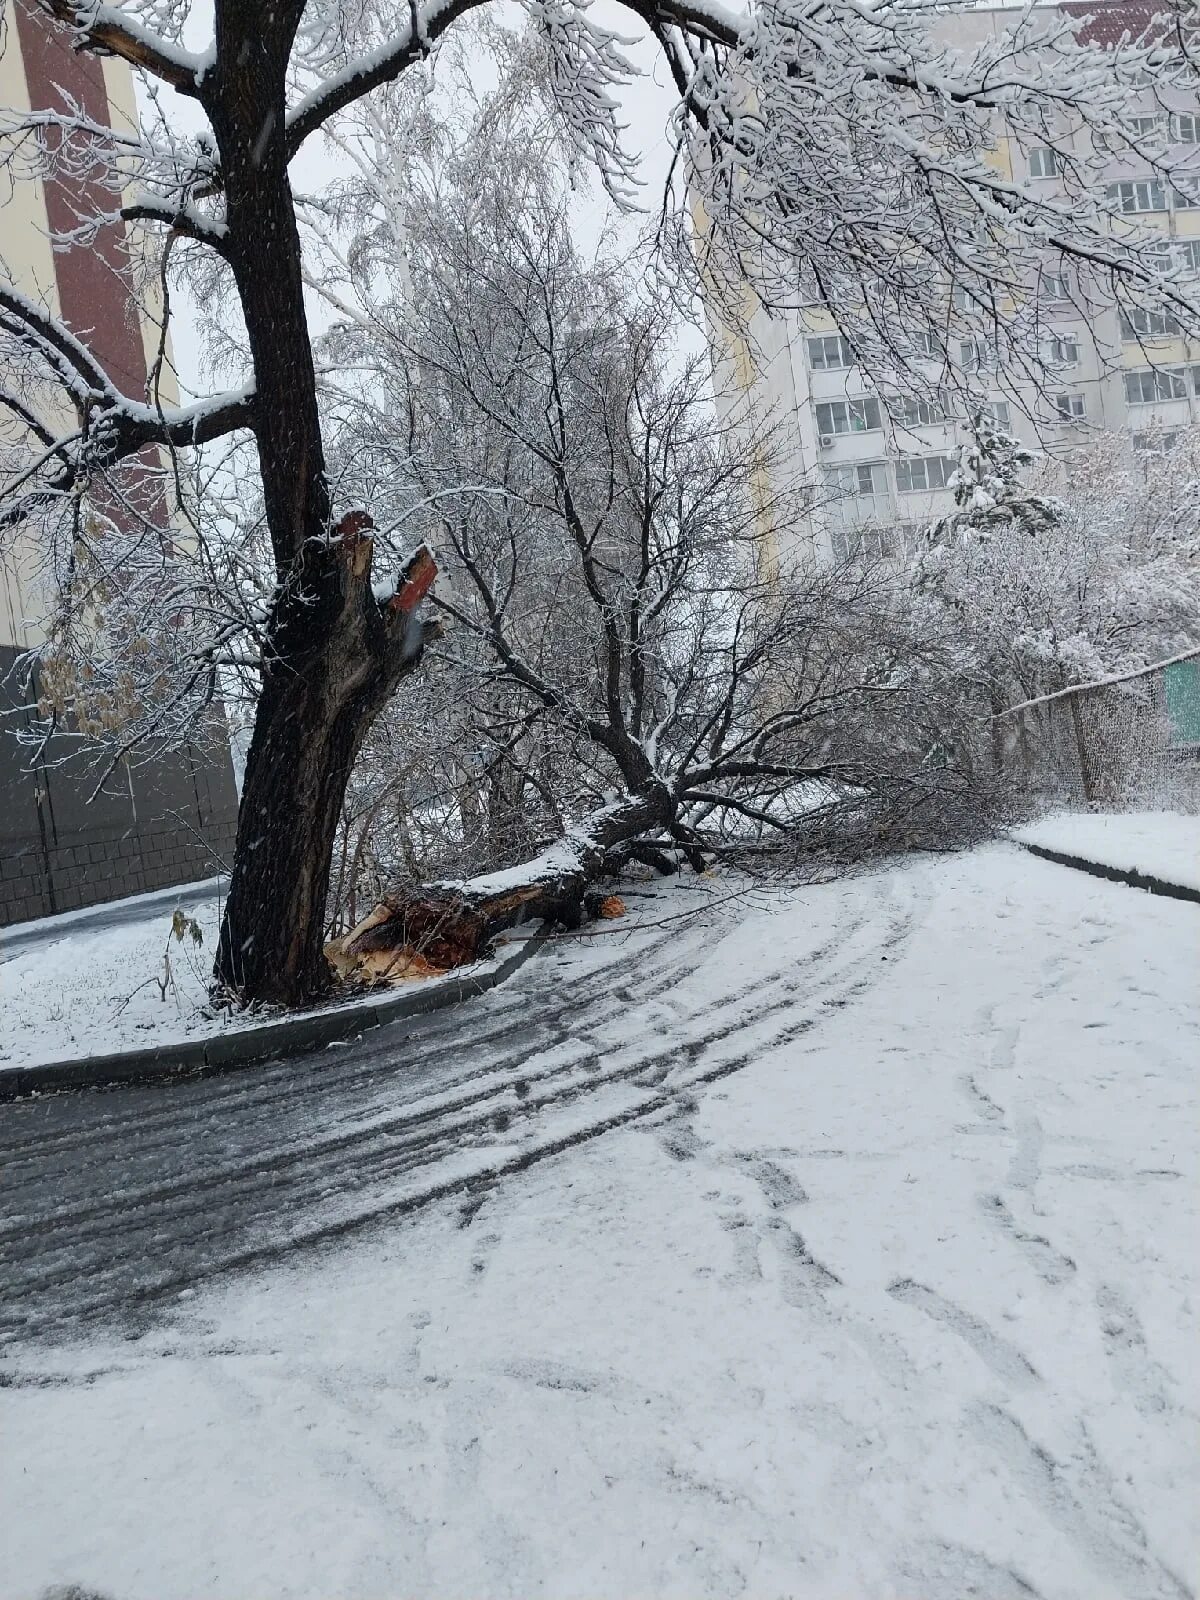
(1119,746)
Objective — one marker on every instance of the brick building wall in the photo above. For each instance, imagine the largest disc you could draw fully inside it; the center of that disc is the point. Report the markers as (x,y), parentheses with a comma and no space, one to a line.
(156,824)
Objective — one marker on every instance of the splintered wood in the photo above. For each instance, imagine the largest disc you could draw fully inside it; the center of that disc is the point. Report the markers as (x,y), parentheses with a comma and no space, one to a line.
(412,937)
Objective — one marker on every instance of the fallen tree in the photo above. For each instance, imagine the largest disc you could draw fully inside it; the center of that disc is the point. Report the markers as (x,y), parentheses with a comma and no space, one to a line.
(433,927)
(612,627)
(782,114)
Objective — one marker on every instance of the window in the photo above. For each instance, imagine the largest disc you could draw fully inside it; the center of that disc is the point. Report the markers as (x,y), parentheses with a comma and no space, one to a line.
(848,416)
(912,412)
(965,299)
(976,354)
(861,544)
(865,479)
(1147,325)
(1189,254)
(1185,128)
(998,411)
(927,346)
(1070,407)
(829,353)
(1149,384)
(1138,194)
(920,474)
(1158,443)
(1043,162)
(1055,286)
(1142,127)
(1060,352)
(1185,194)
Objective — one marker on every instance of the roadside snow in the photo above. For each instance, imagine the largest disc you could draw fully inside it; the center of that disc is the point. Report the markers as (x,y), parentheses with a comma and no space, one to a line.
(1164,844)
(132,908)
(83,991)
(904,1310)
(93,991)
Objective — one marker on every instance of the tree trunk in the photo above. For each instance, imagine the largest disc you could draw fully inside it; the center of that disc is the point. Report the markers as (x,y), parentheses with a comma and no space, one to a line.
(305,739)
(437,926)
(314,712)
(332,654)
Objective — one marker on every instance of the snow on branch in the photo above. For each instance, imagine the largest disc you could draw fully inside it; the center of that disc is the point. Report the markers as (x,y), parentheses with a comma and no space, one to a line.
(1100,683)
(116,430)
(177,215)
(113,30)
(586,69)
(845,156)
(374,67)
(76,367)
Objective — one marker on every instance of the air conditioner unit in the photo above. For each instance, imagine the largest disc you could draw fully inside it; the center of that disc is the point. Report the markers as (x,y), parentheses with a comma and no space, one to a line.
(826,441)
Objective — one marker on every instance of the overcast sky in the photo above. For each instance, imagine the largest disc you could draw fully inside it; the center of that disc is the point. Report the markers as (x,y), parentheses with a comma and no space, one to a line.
(647,106)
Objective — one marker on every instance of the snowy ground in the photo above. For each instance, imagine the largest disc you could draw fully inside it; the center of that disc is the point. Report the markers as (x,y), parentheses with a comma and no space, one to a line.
(1164,844)
(86,991)
(899,1305)
(69,988)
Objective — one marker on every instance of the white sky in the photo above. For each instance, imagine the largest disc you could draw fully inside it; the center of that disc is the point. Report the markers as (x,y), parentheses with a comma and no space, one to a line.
(648,103)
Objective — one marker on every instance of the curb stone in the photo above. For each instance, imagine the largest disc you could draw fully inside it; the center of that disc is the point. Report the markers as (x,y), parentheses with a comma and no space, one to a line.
(224,1052)
(1130,876)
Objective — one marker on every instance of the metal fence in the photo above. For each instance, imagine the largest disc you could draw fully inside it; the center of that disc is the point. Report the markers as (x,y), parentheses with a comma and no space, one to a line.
(1117,746)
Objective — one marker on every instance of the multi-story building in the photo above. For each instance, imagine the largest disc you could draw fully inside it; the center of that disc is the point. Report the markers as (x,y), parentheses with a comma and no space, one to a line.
(879,464)
(154,824)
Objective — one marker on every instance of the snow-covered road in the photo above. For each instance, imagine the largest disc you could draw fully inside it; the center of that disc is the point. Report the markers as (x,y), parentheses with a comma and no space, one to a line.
(839,1246)
(109,1201)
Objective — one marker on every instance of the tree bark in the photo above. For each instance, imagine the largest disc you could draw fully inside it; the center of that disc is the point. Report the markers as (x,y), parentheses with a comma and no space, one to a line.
(433,927)
(333,654)
(315,709)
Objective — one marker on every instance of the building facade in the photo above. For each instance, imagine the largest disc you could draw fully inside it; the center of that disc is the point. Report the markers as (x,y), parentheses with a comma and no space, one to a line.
(879,465)
(153,824)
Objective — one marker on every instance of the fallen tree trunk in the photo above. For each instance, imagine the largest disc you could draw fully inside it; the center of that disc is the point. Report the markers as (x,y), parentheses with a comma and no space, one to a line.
(432,927)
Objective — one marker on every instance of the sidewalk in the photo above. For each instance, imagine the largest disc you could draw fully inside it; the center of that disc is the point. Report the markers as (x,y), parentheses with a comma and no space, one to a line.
(1154,850)
(109,914)
(108,995)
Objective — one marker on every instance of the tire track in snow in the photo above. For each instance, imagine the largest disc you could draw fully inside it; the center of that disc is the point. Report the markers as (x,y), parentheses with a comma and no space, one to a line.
(1049,1264)
(944,1571)
(185,1213)
(1076,1498)
(1133,1367)
(443,1035)
(996,1353)
(139,1240)
(424,1118)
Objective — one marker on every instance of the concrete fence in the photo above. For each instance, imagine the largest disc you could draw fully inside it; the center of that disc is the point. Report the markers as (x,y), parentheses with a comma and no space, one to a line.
(153,825)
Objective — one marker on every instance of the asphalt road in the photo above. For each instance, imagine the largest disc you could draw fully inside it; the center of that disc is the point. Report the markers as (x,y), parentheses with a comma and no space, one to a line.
(114,1201)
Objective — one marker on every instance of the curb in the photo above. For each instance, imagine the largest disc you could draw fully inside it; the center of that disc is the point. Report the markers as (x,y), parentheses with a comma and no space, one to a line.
(194,1058)
(1130,876)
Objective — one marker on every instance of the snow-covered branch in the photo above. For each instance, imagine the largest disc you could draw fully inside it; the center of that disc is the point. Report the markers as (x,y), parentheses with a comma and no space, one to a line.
(408,44)
(113,30)
(1110,680)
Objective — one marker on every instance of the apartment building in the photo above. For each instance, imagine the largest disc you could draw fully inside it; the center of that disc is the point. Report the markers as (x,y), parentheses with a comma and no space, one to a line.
(879,464)
(153,824)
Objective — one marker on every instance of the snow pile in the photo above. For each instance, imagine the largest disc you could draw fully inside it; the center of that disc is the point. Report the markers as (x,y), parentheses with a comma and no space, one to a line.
(1160,844)
(903,1308)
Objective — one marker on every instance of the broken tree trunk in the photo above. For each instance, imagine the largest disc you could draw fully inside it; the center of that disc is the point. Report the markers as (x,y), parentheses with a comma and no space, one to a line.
(433,927)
